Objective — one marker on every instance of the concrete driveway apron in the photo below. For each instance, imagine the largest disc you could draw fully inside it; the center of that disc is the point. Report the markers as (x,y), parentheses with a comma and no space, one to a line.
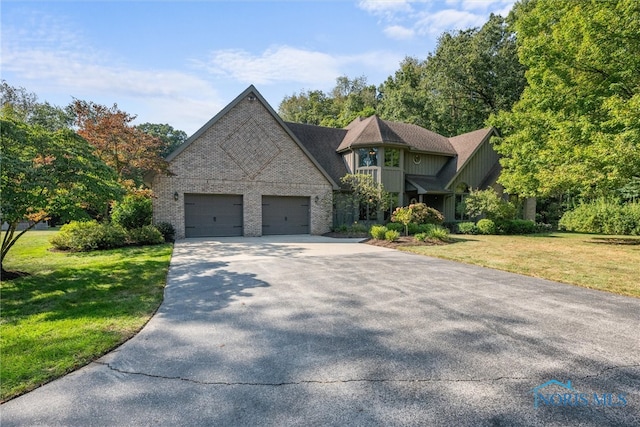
(301,330)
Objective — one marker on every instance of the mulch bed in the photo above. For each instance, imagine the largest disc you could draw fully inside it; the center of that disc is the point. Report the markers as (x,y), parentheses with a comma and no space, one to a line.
(615,241)
(400,242)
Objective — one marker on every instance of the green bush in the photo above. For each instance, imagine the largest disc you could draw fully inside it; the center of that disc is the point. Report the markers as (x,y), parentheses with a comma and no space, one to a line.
(147,235)
(486,226)
(88,236)
(603,216)
(439,233)
(357,227)
(467,228)
(516,226)
(490,204)
(134,211)
(396,226)
(391,235)
(421,237)
(378,232)
(425,228)
(167,230)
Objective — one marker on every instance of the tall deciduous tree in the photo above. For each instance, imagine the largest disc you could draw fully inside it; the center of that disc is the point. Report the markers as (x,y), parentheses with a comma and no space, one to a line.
(25,106)
(471,74)
(576,129)
(349,99)
(47,173)
(127,149)
(171,138)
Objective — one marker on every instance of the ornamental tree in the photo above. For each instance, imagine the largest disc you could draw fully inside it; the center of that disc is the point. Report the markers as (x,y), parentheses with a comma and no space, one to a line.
(130,151)
(46,173)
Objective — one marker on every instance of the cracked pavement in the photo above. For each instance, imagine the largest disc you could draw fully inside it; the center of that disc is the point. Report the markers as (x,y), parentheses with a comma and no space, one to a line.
(304,330)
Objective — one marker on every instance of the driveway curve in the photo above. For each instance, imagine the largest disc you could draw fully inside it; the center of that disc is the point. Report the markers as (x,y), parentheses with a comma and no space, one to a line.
(303,330)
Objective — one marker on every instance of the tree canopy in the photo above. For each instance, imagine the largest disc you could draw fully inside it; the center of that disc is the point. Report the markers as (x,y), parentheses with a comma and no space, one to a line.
(576,128)
(349,99)
(471,74)
(46,173)
(171,138)
(127,149)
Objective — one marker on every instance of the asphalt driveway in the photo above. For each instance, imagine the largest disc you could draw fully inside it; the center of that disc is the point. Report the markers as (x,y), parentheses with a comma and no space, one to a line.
(315,331)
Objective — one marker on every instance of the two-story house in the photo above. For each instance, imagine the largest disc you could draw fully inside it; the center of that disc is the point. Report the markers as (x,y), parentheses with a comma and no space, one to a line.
(248,173)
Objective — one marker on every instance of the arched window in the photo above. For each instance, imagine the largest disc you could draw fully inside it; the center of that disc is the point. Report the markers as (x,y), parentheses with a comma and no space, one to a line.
(461,193)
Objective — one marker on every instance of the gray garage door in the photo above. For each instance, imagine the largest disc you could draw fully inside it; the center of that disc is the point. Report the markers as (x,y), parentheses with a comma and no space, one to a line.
(211,215)
(285,215)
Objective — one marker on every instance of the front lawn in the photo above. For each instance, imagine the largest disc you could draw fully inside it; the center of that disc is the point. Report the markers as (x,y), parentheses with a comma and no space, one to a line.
(72,307)
(608,263)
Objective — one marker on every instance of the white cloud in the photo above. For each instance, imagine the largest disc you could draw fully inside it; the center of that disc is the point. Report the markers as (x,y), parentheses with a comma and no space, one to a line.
(56,60)
(398,32)
(403,19)
(289,64)
(385,7)
(448,19)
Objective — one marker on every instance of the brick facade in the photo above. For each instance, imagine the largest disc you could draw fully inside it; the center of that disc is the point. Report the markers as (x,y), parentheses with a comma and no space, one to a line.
(243,150)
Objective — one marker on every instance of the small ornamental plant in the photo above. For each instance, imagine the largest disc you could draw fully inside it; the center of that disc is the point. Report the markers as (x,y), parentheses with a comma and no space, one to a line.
(378,232)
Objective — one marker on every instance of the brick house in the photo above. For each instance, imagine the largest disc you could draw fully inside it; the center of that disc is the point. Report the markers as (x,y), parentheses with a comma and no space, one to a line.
(246,172)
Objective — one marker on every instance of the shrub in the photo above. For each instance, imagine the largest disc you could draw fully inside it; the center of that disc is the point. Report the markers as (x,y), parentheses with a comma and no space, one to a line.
(490,204)
(359,228)
(467,228)
(516,226)
(438,233)
(423,214)
(395,226)
(486,226)
(391,235)
(134,211)
(603,216)
(147,235)
(378,232)
(425,228)
(167,231)
(413,228)
(421,237)
(89,235)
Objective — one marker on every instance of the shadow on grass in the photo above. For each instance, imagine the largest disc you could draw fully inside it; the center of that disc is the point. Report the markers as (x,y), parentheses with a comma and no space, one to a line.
(107,289)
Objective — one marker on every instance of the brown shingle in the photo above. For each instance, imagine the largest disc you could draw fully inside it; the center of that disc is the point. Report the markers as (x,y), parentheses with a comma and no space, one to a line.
(322,143)
(375,131)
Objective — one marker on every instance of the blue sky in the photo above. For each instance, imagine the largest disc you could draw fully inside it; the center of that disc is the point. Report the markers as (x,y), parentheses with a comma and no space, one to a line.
(180,62)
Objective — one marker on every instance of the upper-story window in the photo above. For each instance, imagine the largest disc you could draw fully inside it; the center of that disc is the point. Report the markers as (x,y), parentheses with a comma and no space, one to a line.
(367,157)
(392,157)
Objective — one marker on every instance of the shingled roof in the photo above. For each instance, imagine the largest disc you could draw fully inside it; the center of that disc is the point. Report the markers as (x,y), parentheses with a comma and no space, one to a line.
(375,131)
(322,143)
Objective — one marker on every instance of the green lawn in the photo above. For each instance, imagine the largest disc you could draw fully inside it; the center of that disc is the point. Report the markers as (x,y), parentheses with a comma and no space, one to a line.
(608,263)
(72,307)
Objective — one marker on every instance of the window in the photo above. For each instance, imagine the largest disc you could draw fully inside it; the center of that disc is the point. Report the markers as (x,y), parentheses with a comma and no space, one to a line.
(392,157)
(367,157)
(461,193)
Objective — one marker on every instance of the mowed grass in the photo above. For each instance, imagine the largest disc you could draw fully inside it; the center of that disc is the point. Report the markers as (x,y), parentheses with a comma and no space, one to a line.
(72,307)
(592,261)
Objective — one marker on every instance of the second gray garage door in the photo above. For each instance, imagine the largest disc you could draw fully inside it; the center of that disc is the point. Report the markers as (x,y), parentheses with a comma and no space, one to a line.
(212,215)
(285,215)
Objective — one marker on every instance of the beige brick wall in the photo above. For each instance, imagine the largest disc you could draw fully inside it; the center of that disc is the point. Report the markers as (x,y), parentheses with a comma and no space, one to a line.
(244,152)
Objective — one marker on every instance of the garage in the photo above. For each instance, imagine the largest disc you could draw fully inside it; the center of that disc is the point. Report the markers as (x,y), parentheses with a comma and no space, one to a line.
(212,215)
(285,215)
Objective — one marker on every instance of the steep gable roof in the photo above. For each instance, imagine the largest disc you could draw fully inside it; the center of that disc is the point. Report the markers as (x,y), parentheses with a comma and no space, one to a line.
(466,146)
(252,93)
(373,130)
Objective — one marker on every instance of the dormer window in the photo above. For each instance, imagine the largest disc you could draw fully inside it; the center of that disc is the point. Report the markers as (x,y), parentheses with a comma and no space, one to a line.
(367,157)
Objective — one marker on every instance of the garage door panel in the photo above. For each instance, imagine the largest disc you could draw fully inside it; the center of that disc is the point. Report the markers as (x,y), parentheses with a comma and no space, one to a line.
(213,215)
(285,215)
